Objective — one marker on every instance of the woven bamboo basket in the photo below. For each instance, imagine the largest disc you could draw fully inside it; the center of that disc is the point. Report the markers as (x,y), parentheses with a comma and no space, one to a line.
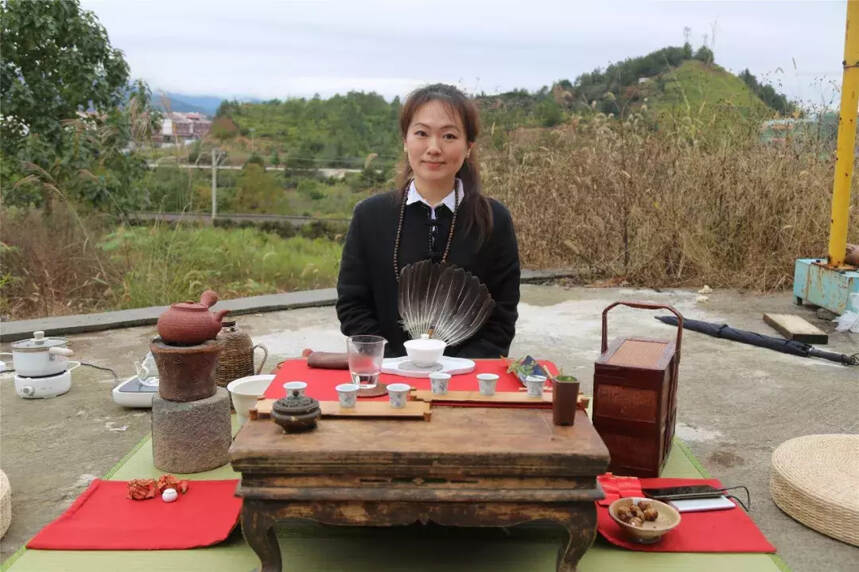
(815,479)
(237,357)
(5,504)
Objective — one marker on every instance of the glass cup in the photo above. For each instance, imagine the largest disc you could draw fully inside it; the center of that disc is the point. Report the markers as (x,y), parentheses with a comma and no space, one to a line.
(365,355)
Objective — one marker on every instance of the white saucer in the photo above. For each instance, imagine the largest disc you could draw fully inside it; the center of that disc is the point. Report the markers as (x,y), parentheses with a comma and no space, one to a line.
(403,367)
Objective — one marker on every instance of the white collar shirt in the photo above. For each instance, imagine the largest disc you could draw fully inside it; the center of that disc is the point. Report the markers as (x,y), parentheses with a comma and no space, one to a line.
(449,201)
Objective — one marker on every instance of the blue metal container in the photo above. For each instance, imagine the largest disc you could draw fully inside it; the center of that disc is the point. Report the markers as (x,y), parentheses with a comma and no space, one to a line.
(815,283)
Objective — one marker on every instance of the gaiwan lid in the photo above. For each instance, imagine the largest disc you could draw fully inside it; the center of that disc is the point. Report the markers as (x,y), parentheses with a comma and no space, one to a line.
(295,404)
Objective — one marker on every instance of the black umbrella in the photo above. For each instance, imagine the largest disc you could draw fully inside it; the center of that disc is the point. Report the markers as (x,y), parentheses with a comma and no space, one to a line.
(743,336)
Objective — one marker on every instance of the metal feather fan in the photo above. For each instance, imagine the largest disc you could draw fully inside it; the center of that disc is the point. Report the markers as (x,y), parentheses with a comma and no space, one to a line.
(442,301)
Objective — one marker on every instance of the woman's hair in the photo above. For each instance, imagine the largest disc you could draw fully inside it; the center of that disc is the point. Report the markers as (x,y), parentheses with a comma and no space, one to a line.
(474,210)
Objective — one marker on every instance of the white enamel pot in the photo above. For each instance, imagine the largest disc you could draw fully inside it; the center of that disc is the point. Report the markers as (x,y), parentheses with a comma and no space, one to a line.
(40,356)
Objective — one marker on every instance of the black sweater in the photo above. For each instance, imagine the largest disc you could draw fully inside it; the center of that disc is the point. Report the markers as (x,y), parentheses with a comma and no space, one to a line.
(367,286)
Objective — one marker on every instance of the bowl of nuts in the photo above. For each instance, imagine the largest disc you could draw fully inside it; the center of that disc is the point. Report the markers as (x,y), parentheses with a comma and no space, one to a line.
(644,520)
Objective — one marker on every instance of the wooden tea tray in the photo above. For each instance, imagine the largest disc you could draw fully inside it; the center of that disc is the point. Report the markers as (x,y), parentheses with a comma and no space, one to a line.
(412,410)
(499,397)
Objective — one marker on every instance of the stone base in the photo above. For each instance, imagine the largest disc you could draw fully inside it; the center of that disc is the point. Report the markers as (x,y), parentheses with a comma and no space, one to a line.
(191,436)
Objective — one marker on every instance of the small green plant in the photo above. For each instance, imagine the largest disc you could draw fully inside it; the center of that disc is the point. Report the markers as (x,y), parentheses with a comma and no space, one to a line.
(520,367)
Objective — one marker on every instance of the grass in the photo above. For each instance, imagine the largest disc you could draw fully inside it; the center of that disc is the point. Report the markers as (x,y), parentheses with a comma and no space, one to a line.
(697,88)
(68,265)
(684,207)
(165,265)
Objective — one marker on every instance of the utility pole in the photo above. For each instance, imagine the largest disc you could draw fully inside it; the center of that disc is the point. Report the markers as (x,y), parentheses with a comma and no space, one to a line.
(214,185)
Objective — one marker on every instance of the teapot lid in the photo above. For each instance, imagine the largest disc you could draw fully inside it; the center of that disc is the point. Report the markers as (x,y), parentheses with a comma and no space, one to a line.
(295,404)
(196,306)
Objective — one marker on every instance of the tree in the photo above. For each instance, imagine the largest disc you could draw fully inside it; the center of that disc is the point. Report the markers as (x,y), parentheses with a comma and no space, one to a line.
(57,60)
(256,191)
(704,54)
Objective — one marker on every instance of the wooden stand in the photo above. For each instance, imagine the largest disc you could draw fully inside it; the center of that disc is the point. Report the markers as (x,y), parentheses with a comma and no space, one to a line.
(469,467)
(412,410)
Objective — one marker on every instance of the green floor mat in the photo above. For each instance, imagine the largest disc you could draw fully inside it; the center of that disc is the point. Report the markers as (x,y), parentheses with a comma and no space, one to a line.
(309,547)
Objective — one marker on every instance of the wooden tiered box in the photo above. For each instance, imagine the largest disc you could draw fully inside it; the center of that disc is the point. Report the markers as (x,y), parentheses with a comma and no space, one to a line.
(635,398)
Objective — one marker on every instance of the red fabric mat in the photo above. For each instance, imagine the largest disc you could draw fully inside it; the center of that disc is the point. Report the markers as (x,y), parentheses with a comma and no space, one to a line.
(729,530)
(103,518)
(321,382)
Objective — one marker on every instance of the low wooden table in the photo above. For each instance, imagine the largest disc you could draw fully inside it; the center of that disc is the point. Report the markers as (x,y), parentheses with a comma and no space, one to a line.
(467,467)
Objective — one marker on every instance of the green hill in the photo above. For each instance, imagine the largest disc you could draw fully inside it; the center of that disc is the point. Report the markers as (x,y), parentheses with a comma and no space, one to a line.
(343,131)
(704,91)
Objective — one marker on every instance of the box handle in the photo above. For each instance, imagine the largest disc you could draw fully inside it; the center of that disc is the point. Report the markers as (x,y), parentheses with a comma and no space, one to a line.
(642,306)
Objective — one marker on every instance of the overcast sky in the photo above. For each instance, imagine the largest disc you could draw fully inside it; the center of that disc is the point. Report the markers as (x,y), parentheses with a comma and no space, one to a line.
(284,48)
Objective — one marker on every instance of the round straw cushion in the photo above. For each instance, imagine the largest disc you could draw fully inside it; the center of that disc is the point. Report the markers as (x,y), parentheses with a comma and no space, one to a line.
(5,504)
(815,480)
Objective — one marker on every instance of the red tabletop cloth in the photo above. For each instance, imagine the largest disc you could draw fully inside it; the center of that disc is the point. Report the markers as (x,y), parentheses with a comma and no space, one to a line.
(103,518)
(321,382)
(730,530)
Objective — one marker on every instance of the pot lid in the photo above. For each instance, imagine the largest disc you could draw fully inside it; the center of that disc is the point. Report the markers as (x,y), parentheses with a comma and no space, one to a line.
(38,341)
(295,404)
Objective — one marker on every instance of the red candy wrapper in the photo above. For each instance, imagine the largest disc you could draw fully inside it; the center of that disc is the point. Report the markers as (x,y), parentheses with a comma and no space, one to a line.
(171,482)
(141,489)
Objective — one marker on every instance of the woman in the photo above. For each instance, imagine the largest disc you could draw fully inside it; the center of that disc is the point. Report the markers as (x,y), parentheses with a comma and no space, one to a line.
(437,212)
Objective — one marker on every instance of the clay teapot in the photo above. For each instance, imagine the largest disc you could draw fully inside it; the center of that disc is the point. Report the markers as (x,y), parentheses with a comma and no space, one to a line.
(191,323)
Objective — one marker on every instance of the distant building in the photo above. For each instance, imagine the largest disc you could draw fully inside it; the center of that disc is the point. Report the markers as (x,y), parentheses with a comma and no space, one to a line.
(176,126)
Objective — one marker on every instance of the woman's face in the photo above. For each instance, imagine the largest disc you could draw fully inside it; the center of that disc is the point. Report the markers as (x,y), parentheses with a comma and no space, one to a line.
(436,144)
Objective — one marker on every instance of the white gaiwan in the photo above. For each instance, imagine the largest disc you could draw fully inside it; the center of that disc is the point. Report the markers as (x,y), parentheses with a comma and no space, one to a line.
(426,351)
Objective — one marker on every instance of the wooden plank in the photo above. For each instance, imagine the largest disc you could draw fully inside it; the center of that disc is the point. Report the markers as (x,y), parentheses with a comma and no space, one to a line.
(796,328)
(413,409)
(500,397)
(475,396)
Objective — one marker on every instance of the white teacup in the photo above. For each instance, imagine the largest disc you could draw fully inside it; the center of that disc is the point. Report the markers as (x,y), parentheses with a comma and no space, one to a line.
(291,386)
(245,392)
(347,393)
(439,382)
(425,352)
(487,383)
(535,384)
(398,394)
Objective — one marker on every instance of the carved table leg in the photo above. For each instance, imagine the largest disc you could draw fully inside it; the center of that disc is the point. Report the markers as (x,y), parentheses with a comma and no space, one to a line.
(581,529)
(258,528)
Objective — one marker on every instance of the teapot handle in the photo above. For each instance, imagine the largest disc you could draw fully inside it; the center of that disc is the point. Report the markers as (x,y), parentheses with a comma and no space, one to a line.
(208,298)
(264,357)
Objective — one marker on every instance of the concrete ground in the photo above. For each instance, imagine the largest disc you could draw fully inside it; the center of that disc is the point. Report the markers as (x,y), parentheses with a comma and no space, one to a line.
(736,403)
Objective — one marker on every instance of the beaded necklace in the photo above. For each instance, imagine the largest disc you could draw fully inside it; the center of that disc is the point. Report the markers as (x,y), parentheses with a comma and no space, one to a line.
(400,230)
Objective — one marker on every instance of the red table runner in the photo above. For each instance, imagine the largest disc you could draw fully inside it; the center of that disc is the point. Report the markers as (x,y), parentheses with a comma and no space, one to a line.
(730,530)
(103,518)
(321,382)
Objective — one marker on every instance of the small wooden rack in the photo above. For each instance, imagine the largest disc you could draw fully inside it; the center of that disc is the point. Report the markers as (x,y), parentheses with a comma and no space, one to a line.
(412,410)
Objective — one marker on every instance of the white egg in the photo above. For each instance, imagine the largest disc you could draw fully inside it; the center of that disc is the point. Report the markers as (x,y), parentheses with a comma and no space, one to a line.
(169,495)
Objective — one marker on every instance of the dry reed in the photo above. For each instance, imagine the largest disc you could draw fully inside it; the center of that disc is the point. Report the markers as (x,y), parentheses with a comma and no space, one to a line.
(620,200)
